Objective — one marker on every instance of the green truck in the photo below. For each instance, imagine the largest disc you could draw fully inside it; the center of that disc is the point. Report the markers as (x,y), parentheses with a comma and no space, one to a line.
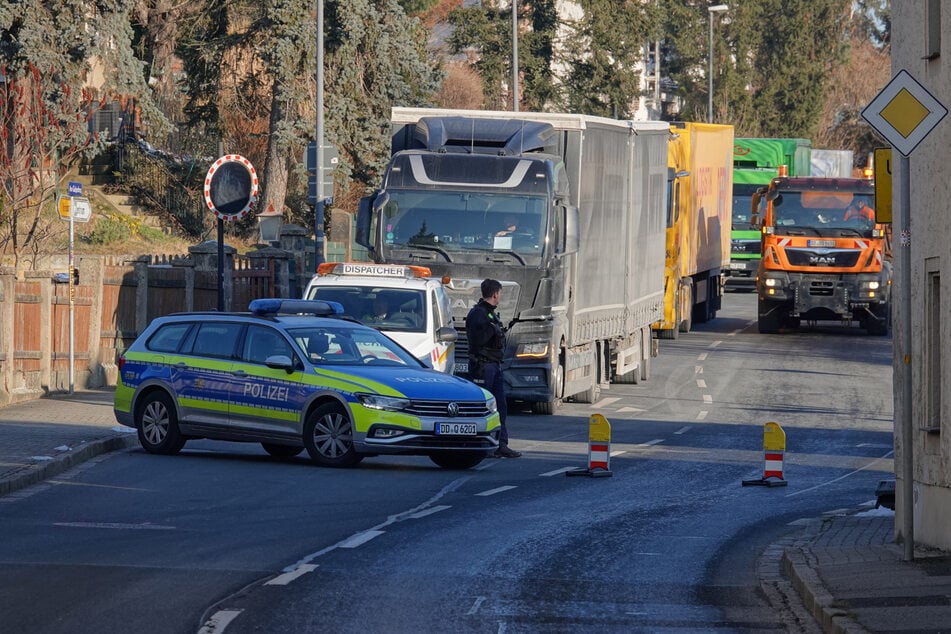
(755,163)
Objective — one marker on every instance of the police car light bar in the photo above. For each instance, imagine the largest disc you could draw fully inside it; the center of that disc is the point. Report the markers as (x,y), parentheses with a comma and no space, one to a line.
(372,270)
(318,308)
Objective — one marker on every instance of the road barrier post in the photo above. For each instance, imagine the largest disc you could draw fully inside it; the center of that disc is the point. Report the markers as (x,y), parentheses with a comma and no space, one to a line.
(774,447)
(599,449)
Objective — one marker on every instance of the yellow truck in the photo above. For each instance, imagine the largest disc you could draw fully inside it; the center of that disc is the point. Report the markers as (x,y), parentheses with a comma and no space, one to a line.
(699,188)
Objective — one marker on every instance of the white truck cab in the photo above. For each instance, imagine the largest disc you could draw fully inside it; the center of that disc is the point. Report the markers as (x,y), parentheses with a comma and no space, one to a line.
(403,302)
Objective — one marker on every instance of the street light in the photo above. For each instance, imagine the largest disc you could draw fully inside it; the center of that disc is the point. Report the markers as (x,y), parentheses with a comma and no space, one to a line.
(716,8)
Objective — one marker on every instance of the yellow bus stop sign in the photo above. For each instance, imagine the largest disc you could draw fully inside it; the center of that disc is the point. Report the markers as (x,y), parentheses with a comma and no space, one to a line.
(65,207)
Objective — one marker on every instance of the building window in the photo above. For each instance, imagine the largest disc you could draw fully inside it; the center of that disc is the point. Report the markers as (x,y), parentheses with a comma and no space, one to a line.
(933,30)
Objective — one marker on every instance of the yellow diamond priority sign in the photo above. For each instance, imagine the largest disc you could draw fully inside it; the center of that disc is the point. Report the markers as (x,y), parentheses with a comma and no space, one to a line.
(904,112)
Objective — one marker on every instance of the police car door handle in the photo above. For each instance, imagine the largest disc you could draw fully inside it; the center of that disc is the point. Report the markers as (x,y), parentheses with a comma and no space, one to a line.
(181,365)
(240,373)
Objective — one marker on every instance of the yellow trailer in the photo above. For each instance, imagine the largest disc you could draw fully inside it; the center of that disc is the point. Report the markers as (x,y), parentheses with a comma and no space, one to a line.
(700,185)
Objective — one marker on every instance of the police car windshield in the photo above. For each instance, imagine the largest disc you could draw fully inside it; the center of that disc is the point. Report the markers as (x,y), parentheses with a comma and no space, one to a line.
(342,345)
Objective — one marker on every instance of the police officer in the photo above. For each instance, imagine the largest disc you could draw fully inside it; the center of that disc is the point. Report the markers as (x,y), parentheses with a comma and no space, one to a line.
(486,344)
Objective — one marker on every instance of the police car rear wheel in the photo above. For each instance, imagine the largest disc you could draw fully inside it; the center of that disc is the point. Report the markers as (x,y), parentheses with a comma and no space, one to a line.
(281,451)
(157,425)
(328,437)
(456,460)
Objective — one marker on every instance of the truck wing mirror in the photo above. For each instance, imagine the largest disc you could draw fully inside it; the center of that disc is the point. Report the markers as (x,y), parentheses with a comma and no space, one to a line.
(572,220)
(368,205)
(754,208)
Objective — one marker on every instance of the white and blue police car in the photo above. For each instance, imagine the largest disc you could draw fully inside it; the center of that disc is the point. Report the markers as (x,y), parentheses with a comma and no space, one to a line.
(294,375)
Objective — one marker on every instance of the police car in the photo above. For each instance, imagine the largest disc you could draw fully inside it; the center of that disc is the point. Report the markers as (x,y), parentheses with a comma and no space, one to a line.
(295,375)
(404,302)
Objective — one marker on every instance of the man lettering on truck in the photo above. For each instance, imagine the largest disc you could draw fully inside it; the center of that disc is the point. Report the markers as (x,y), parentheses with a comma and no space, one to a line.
(486,345)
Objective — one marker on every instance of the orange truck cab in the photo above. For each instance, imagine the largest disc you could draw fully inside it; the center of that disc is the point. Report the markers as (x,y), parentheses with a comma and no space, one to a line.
(823,254)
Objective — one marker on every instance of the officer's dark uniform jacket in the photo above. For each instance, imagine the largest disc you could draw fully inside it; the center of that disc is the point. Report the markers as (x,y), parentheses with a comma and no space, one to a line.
(486,337)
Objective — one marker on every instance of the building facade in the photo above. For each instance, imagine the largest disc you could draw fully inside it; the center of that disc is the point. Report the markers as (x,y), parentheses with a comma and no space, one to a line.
(921,35)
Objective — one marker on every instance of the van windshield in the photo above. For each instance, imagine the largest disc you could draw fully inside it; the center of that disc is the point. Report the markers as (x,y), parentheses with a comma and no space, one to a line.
(398,310)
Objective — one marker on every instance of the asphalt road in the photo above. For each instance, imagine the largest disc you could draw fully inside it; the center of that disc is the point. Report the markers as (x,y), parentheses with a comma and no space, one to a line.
(225,538)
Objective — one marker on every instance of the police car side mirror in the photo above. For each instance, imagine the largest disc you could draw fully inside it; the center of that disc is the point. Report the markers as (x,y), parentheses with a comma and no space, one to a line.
(280,362)
(446,334)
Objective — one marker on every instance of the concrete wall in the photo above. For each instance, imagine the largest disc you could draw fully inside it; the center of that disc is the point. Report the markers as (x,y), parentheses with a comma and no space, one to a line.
(930,191)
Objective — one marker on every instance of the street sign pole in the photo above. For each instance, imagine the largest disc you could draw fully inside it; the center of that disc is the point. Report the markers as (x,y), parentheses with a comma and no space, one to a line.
(904,292)
(904,113)
(319,205)
(71,292)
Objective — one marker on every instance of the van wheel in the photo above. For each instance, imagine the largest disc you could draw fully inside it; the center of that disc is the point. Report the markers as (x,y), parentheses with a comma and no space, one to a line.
(281,451)
(328,437)
(157,425)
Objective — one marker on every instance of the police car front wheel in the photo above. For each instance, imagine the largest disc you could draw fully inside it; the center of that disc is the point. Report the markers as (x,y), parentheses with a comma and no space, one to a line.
(328,437)
(157,424)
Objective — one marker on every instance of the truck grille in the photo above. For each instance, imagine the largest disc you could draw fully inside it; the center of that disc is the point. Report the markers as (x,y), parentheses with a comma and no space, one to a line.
(745,246)
(823,257)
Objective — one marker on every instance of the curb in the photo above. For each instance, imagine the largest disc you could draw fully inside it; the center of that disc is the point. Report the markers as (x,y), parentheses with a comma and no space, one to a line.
(42,470)
(815,597)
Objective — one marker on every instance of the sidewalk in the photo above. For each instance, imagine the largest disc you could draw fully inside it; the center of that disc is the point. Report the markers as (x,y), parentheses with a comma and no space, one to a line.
(44,437)
(846,568)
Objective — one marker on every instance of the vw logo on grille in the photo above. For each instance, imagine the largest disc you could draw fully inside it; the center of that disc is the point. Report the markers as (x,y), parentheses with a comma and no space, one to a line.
(453,409)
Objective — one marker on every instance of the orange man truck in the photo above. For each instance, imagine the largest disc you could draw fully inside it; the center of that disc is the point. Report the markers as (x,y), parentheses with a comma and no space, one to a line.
(823,254)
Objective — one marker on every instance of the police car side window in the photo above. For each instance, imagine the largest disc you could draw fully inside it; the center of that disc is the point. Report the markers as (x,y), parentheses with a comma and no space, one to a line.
(169,337)
(216,339)
(262,342)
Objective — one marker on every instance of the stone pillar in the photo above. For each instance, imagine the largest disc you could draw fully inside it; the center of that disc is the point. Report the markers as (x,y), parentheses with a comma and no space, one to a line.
(282,261)
(141,294)
(91,275)
(293,241)
(7,290)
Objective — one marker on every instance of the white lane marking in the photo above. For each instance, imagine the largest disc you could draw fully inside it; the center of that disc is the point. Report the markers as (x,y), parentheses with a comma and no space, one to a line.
(698,369)
(702,356)
(219,621)
(715,343)
(842,477)
(618,452)
(287,577)
(41,458)
(701,414)
(707,398)
(360,538)
(630,409)
(604,402)
(682,430)
(549,474)
(656,441)
(429,511)
(392,519)
(494,491)
(475,606)
(116,525)
(701,383)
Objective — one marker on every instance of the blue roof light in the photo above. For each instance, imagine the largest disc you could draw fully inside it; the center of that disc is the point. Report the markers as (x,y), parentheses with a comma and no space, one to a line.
(277,306)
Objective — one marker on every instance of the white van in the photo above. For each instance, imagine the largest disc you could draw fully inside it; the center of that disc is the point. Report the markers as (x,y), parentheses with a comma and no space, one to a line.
(404,302)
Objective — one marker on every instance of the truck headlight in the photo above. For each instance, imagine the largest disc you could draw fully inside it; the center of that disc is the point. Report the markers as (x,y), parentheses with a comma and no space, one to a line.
(389,403)
(872,286)
(771,282)
(532,350)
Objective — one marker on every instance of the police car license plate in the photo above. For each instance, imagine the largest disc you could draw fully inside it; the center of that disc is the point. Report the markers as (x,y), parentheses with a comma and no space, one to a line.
(462,367)
(456,429)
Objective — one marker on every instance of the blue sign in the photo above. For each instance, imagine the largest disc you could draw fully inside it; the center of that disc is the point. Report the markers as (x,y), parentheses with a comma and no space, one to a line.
(74,188)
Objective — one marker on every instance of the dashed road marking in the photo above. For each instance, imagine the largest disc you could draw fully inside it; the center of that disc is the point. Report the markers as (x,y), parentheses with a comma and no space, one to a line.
(604,402)
(701,414)
(630,409)
(682,430)
(360,538)
(701,383)
(287,577)
(219,621)
(649,443)
(549,474)
(429,511)
(702,356)
(707,398)
(494,491)
(715,343)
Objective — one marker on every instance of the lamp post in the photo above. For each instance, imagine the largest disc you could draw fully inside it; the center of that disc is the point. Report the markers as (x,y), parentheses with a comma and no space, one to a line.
(716,8)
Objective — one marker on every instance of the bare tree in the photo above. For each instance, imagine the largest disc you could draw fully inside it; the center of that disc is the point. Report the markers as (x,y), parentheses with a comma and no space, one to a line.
(42,136)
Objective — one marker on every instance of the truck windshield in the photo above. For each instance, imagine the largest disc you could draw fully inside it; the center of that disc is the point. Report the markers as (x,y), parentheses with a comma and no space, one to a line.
(455,221)
(827,213)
